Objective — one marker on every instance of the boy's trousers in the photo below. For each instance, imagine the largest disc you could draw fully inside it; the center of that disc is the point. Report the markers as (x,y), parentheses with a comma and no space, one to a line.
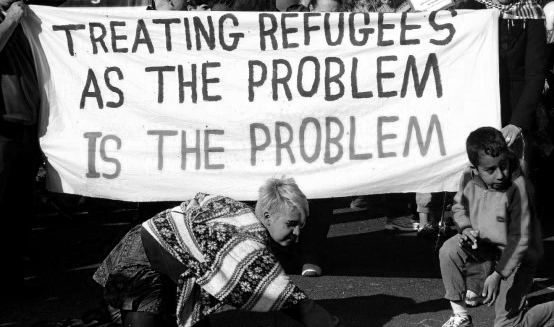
(456,262)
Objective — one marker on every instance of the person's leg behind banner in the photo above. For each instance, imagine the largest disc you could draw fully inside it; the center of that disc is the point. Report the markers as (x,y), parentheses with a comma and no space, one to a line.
(400,212)
(19,157)
(427,223)
(313,237)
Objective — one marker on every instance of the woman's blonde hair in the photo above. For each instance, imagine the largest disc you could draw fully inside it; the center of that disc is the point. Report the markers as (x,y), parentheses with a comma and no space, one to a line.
(281,195)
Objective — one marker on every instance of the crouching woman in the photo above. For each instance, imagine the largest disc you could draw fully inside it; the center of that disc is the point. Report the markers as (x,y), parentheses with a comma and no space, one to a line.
(207,254)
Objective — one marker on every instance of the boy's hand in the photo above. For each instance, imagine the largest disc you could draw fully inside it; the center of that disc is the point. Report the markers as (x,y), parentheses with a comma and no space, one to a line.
(490,290)
(469,237)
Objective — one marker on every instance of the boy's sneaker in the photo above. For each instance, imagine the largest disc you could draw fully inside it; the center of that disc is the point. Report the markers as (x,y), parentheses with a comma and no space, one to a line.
(311,270)
(458,321)
(403,223)
(429,231)
(473,300)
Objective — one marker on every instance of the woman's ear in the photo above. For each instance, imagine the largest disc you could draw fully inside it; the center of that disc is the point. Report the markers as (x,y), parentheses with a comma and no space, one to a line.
(266,217)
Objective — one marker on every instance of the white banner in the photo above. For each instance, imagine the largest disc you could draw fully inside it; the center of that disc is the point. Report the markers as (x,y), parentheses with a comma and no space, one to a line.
(147,106)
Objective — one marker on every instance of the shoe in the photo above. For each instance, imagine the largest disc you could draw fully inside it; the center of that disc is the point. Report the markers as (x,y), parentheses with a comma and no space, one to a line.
(359,204)
(457,321)
(473,300)
(311,270)
(403,223)
(429,231)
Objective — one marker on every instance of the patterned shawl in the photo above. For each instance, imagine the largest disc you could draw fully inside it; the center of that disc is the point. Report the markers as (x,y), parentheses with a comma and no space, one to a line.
(225,248)
(523,9)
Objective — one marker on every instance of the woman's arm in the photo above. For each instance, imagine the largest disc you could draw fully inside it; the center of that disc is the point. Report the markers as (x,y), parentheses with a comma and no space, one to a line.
(15,14)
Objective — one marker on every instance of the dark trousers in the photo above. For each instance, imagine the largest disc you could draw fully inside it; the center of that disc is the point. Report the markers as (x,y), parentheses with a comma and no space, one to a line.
(313,237)
(19,159)
(163,262)
(456,262)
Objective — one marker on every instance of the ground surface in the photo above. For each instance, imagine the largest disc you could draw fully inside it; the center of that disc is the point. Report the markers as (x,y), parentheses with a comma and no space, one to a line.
(374,278)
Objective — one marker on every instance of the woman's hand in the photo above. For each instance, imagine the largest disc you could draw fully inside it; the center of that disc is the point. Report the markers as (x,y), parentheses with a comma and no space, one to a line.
(490,290)
(16,12)
(510,133)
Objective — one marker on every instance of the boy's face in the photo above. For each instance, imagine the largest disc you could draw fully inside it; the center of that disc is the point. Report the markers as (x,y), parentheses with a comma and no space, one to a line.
(494,171)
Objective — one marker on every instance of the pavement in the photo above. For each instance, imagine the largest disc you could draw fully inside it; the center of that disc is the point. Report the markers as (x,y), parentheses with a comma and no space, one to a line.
(374,277)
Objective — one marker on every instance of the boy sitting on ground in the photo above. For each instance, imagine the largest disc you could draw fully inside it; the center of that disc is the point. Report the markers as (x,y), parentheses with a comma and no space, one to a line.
(499,239)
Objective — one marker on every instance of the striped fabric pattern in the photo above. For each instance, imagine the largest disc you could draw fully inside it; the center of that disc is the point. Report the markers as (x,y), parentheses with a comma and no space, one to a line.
(226,249)
(524,9)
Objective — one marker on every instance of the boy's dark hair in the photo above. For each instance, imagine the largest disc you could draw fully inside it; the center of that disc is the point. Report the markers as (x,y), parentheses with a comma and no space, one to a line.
(486,139)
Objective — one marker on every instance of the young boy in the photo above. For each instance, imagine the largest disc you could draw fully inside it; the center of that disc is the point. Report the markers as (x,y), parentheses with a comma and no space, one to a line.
(499,239)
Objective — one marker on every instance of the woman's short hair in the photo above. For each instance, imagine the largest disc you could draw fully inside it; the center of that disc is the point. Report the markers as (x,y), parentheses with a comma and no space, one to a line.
(282,195)
(486,139)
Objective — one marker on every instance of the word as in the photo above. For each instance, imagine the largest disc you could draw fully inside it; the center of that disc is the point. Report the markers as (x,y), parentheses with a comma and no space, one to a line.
(93,90)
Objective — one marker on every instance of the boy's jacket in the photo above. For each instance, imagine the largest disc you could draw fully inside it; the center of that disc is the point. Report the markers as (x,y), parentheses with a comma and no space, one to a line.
(505,218)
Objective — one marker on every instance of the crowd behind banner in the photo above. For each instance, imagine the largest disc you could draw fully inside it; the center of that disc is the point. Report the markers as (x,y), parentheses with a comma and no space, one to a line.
(495,253)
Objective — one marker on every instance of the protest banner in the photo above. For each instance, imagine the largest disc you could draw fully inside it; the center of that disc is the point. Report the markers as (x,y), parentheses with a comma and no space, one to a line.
(430,5)
(104,3)
(148,106)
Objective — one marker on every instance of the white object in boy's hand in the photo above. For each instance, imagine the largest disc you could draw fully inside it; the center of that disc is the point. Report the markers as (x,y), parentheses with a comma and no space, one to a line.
(475,234)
